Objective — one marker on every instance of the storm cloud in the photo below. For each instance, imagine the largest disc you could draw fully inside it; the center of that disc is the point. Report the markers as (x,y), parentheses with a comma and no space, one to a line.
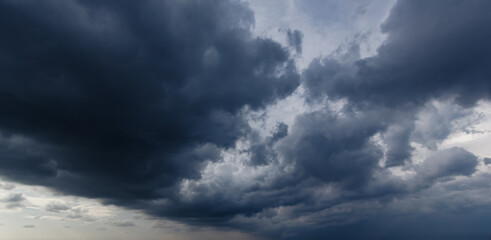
(122,100)
(147,105)
(434,49)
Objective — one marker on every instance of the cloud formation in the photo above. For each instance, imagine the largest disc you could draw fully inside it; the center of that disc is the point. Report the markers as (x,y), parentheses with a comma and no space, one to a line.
(433,50)
(146,105)
(121,101)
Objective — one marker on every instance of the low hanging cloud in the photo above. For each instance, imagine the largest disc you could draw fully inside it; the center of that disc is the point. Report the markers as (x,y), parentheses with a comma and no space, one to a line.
(144,105)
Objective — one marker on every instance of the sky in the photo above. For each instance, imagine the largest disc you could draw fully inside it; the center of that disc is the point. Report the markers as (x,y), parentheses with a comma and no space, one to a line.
(245,119)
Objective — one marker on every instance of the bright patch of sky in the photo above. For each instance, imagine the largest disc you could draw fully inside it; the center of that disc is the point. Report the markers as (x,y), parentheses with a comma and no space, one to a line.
(327,26)
(41,212)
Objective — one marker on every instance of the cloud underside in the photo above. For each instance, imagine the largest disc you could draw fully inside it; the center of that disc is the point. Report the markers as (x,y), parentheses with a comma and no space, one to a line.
(145,105)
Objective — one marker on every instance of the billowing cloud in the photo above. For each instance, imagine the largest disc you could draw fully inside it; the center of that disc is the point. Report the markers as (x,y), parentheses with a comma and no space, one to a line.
(121,101)
(433,50)
(148,106)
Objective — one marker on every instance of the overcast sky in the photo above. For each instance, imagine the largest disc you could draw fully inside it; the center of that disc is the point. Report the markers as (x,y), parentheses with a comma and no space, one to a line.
(228,119)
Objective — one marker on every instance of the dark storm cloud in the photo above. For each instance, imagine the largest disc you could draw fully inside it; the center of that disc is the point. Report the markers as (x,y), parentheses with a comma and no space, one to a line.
(335,171)
(440,55)
(120,101)
(432,69)
(334,149)
(434,49)
(129,102)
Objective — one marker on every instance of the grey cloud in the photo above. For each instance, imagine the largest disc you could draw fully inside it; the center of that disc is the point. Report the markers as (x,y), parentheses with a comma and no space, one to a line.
(14,197)
(294,40)
(261,151)
(14,205)
(77,213)
(443,53)
(435,122)
(260,155)
(398,139)
(429,73)
(159,225)
(56,207)
(449,162)
(29,226)
(14,200)
(421,61)
(123,224)
(333,148)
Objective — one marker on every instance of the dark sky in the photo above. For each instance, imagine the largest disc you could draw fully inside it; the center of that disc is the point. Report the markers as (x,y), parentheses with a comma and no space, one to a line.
(146,104)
